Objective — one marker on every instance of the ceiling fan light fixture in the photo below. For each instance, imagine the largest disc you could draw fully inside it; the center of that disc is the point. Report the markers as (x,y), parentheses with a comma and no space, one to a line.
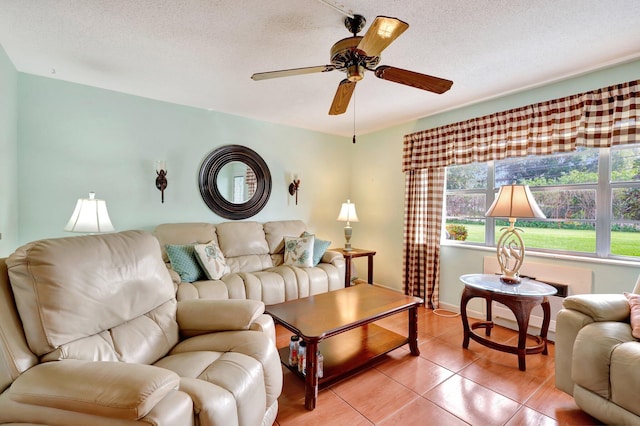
(355,72)
(387,29)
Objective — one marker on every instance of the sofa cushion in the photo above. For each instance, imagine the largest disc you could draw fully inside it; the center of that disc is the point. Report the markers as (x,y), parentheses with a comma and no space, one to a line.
(241,239)
(184,233)
(184,261)
(298,251)
(241,378)
(68,289)
(211,260)
(275,232)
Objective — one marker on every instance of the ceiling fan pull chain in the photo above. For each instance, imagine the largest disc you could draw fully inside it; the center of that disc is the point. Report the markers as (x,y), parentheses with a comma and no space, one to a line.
(354,116)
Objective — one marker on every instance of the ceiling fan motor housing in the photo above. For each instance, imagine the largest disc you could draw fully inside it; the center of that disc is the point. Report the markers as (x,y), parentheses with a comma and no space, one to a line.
(345,56)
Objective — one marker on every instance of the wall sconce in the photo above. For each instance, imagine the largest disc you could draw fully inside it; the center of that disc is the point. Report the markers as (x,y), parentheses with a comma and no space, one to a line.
(294,186)
(161,180)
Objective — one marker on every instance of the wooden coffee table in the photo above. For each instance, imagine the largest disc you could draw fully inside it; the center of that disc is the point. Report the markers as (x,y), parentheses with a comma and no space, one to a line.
(339,323)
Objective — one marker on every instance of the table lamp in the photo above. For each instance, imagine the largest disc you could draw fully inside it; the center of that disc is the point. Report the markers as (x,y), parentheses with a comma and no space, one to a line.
(348,214)
(90,216)
(513,202)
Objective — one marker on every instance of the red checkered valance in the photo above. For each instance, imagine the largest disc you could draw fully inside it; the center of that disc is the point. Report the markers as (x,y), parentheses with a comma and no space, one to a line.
(596,119)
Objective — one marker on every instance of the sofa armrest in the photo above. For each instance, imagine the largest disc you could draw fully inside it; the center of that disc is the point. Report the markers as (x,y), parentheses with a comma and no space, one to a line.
(116,390)
(331,256)
(174,276)
(200,316)
(600,307)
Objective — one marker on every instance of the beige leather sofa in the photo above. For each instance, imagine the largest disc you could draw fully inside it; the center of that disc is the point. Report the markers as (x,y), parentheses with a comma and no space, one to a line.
(91,334)
(254,254)
(597,358)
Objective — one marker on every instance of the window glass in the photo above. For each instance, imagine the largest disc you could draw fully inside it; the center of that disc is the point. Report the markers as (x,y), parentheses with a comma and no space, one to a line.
(465,217)
(625,163)
(471,176)
(566,187)
(625,223)
(570,224)
(560,169)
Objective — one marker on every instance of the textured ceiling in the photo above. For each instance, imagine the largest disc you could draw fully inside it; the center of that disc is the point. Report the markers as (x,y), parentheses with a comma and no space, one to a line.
(202,52)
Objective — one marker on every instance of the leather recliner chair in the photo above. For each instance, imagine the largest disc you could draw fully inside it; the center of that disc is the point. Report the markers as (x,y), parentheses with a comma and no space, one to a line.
(597,358)
(91,334)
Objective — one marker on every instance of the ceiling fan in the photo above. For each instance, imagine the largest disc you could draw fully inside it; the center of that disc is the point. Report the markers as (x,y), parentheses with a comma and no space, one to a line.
(354,55)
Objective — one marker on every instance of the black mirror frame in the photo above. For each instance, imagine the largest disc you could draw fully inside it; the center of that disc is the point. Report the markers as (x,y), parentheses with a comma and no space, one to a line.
(208,176)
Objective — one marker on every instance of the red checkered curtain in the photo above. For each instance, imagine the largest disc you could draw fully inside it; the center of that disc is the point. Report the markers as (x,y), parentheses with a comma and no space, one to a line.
(596,119)
(423,215)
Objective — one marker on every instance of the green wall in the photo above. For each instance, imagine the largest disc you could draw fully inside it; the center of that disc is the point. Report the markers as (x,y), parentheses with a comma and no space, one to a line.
(8,155)
(75,139)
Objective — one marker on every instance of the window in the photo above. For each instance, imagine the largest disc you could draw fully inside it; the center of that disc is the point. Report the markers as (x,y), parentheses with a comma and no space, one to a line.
(591,198)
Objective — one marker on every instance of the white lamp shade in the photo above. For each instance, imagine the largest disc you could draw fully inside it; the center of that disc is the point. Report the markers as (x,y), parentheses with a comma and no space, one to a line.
(348,212)
(90,216)
(515,201)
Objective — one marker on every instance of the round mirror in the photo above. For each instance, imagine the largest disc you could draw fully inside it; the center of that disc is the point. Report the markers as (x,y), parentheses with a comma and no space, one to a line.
(235,182)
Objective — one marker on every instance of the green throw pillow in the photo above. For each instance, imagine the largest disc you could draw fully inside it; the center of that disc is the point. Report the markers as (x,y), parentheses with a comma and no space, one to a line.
(319,247)
(184,262)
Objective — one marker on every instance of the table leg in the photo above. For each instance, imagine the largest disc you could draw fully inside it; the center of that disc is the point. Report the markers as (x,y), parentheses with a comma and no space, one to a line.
(413,331)
(466,296)
(370,269)
(522,311)
(546,319)
(347,273)
(311,379)
(489,306)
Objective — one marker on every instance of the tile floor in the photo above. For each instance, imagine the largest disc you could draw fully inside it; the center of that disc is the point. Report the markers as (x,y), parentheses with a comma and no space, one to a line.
(445,385)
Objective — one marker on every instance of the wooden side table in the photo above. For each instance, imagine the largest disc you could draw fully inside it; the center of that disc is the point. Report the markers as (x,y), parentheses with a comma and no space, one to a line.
(520,298)
(349,256)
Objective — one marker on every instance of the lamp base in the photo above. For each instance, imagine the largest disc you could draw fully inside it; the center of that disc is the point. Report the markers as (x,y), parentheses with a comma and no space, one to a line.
(510,251)
(510,279)
(347,236)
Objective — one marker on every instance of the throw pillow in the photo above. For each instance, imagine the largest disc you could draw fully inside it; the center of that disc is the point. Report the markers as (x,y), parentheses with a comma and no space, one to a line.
(211,260)
(319,247)
(183,261)
(298,251)
(634,304)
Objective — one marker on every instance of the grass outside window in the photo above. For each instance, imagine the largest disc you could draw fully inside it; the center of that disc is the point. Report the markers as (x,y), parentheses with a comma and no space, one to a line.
(622,243)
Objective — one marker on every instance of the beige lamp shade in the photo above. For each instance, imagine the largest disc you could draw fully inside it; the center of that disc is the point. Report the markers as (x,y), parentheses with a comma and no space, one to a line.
(515,201)
(90,216)
(348,212)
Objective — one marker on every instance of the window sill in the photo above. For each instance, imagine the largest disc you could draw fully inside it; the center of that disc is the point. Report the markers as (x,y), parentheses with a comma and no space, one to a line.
(546,255)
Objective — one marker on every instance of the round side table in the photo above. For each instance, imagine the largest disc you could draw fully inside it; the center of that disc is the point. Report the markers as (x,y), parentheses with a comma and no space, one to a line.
(521,298)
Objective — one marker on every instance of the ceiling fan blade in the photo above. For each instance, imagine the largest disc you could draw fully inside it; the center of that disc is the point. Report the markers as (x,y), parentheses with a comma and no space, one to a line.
(342,97)
(293,71)
(414,79)
(382,32)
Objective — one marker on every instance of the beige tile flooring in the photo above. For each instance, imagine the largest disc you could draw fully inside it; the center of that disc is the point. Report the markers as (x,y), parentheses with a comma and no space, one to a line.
(445,385)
